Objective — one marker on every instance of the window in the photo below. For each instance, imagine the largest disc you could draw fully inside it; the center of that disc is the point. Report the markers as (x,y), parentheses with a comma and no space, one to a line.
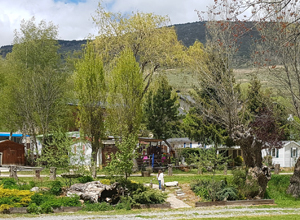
(294,152)
(191,145)
(184,145)
(274,152)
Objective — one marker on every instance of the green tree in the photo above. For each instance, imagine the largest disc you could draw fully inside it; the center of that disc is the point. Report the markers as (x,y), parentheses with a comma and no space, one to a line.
(124,111)
(57,151)
(161,110)
(152,41)
(197,128)
(36,83)
(122,161)
(90,90)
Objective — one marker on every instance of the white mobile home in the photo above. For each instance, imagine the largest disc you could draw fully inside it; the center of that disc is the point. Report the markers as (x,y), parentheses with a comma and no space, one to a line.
(285,156)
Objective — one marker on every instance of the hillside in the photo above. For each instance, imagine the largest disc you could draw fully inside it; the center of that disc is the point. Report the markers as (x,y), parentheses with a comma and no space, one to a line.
(187,33)
(65,47)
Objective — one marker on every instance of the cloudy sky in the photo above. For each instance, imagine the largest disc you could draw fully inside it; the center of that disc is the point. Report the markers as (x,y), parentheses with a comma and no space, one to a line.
(73,17)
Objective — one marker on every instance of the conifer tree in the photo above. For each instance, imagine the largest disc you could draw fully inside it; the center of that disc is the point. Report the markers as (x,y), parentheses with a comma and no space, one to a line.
(161,110)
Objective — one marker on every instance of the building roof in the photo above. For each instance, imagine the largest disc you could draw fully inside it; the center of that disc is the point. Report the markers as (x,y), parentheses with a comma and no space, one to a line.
(10,142)
(182,140)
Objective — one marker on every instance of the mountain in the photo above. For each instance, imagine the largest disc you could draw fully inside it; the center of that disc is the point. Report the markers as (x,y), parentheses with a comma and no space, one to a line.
(187,33)
(65,47)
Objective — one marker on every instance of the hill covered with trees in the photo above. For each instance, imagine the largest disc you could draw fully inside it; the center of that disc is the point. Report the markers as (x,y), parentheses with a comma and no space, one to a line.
(187,33)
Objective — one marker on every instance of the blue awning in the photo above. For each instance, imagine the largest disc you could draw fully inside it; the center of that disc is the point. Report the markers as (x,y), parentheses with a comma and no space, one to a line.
(13,135)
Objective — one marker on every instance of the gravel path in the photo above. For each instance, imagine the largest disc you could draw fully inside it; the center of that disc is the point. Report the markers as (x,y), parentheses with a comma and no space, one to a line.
(173,214)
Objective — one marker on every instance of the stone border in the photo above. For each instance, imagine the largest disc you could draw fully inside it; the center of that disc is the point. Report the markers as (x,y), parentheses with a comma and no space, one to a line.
(236,202)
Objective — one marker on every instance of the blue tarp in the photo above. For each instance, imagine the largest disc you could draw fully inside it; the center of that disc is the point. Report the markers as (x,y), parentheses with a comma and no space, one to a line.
(13,135)
(152,160)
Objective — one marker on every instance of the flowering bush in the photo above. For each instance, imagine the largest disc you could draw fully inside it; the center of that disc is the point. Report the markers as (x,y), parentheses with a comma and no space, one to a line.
(14,198)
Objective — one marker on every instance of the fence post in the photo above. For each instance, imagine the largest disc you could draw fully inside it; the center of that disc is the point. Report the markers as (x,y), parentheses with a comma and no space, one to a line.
(170,169)
(52,173)
(94,171)
(38,174)
(225,168)
(13,172)
(277,169)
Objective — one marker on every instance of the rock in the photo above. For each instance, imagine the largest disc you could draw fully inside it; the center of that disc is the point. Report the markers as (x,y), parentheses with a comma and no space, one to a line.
(174,183)
(35,189)
(294,187)
(180,193)
(81,201)
(93,191)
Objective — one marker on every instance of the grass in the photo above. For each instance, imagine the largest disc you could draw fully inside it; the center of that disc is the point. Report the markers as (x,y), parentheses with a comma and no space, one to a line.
(276,190)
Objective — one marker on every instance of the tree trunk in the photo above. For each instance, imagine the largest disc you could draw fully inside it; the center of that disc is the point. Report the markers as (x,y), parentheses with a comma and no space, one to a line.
(257,180)
(257,176)
(294,187)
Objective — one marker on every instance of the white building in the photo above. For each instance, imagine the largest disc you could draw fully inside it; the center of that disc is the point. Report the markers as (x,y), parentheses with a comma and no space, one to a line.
(285,156)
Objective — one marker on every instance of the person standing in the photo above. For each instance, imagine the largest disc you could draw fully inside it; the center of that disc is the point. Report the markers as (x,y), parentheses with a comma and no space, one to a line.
(160,178)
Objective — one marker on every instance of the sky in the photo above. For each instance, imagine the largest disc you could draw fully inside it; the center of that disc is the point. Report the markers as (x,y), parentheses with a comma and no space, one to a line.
(74,17)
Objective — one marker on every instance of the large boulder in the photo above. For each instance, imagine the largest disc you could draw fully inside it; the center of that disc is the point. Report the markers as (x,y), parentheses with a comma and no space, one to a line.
(294,187)
(95,191)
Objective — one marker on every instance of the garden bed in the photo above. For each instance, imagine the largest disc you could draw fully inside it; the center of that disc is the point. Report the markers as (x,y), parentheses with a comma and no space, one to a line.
(23,210)
(236,203)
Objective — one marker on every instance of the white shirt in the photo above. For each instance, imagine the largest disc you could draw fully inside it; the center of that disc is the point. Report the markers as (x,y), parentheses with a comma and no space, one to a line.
(160,176)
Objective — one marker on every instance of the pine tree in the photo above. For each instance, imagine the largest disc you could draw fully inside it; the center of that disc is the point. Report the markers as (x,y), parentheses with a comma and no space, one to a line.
(161,110)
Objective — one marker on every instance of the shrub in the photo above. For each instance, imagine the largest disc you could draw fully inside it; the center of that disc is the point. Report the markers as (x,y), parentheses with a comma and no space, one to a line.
(55,202)
(70,201)
(15,197)
(228,193)
(238,161)
(209,190)
(46,208)
(150,196)
(85,179)
(251,188)
(103,206)
(105,181)
(239,178)
(33,208)
(56,188)
(125,203)
(239,181)
(38,199)
(200,188)
(31,184)
(131,186)
(4,207)
(9,183)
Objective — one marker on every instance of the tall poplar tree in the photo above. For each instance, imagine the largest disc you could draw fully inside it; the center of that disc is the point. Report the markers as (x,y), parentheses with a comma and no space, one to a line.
(125,95)
(124,110)
(91,94)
